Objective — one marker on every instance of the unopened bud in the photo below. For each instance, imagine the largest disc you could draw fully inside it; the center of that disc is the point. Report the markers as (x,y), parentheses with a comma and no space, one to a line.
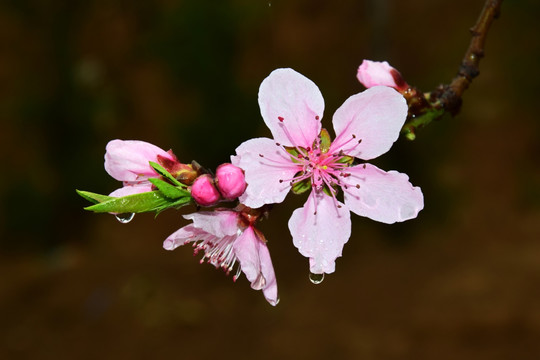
(230,181)
(204,192)
(373,73)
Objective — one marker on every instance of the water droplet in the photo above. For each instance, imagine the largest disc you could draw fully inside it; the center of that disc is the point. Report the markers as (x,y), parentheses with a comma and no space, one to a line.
(125,217)
(316,278)
(277,301)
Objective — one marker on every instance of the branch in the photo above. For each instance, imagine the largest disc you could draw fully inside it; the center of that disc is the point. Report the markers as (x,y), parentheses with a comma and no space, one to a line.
(450,97)
(423,108)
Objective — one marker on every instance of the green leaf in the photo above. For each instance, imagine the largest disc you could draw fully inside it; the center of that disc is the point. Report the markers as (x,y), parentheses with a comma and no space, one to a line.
(93,197)
(138,203)
(169,190)
(301,186)
(163,172)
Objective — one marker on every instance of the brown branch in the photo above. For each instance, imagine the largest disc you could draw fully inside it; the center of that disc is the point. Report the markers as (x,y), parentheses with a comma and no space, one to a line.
(450,95)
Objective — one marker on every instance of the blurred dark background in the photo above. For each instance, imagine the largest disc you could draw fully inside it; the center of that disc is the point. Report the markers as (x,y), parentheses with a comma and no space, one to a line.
(460,282)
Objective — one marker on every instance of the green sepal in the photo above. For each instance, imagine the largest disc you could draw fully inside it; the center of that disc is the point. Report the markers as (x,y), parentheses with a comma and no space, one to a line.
(326,190)
(138,203)
(93,197)
(170,191)
(345,159)
(325,141)
(294,152)
(301,187)
(163,172)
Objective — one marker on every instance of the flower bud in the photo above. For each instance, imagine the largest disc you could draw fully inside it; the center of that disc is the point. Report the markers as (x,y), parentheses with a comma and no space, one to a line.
(230,181)
(373,73)
(204,192)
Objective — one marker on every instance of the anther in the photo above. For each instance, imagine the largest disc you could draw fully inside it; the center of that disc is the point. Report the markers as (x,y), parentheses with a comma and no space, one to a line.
(359,141)
(278,144)
(280,181)
(261,155)
(316,117)
(364,166)
(280,118)
(353,136)
(358,186)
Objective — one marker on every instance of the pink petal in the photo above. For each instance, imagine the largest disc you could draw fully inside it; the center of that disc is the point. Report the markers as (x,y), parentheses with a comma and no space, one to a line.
(182,236)
(219,223)
(263,174)
(383,196)
(256,264)
(132,188)
(320,236)
(127,160)
(288,95)
(270,291)
(374,117)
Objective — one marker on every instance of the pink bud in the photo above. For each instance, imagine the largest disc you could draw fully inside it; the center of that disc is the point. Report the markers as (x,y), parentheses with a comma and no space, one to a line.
(373,73)
(230,181)
(204,192)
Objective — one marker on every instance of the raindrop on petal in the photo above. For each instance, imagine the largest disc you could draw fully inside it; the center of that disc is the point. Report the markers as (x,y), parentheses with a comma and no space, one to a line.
(125,217)
(316,278)
(259,282)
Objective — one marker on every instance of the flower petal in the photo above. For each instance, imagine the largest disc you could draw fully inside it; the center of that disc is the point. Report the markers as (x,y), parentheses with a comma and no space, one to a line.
(263,174)
(270,291)
(132,188)
(127,160)
(182,236)
(368,123)
(290,96)
(219,223)
(256,264)
(382,196)
(319,231)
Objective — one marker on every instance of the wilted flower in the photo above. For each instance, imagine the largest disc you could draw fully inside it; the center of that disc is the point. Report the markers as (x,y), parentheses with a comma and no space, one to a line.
(227,236)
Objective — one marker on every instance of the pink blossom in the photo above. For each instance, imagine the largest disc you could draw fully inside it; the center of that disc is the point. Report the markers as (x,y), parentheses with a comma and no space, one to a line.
(204,191)
(301,157)
(230,181)
(128,161)
(374,73)
(227,236)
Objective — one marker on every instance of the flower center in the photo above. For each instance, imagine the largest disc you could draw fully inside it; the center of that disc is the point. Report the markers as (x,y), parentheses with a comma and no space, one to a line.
(318,168)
